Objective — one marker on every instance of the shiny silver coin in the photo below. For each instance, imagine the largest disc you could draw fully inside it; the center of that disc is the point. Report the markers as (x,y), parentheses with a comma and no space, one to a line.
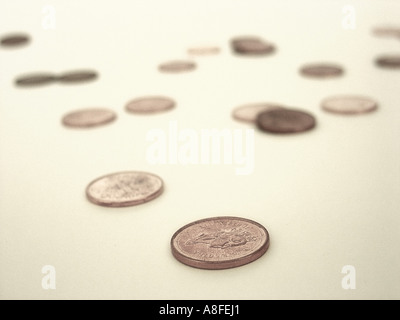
(349,104)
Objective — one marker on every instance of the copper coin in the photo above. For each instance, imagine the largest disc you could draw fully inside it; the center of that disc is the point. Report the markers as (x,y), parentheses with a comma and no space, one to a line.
(203,51)
(219,243)
(251,46)
(78,76)
(90,117)
(177,66)
(152,104)
(285,121)
(35,79)
(321,70)
(348,104)
(387,31)
(389,61)
(249,112)
(14,40)
(123,189)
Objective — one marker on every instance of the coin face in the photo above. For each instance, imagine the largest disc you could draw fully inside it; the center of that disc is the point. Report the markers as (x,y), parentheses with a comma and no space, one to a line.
(285,121)
(36,79)
(203,51)
(86,118)
(388,61)
(177,66)
(348,104)
(321,70)
(251,46)
(249,112)
(78,76)
(151,104)
(123,189)
(219,243)
(14,40)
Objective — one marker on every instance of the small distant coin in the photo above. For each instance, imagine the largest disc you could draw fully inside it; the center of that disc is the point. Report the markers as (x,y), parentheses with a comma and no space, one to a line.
(203,51)
(249,112)
(388,61)
(348,104)
(251,46)
(14,40)
(151,104)
(177,66)
(90,117)
(285,121)
(35,79)
(387,31)
(123,189)
(220,243)
(78,76)
(321,70)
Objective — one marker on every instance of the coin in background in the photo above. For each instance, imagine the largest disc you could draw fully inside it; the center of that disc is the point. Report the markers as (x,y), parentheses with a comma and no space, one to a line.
(388,61)
(177,66)
(35,79)
(77,76)
(386,31)
(285,121)
(152,104)
(321,70)
(14,40)
(123,189)
(203,51)
(349,104)
(219,243)
(90,117)
(249,112)
(251,46)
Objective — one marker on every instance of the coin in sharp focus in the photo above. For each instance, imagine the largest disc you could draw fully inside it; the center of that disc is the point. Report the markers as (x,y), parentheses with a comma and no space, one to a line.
(77,76)
(90,117)
(285,121)
(249,112)
(203,50)
(349,104)
(219,243)
(177,66)
(151,104)
(391,61)
(251,46)
(35,79)
(14,40)
(321,70)
(123,189)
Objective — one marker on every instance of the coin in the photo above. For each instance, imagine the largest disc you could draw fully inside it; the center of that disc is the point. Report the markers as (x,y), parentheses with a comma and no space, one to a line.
(35,79)
(177,66)
(249,112)
(251,46)
(90,117)
(321,70)
(386,31)
(285,121)
(203,51)
(349,104)
(123,189)
(219,243)
(151,104)
(14,40)
(77,76)
(388,61)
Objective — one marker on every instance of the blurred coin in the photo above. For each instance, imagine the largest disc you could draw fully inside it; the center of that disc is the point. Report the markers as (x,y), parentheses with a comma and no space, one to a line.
(177,66)
(321,70)
(249,112)
(386,31)
(388,61)
(349,104)
(77,76)
(219,243)
(35,79)
(203,51)
(285,121)
(124,189)
(14,40)
(152,104)
(90,117)
(251,46)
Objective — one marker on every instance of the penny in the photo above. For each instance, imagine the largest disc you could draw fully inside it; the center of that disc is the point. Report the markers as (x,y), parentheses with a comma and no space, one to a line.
(349,104)
(78,76)
(90,117)
(388,61)
(203,51)
(386,31)
(251,46)
(35,79)
(152,104)
(177,66)
(285,121)
(123,189)
(219,243)
(321,70)
(249,112)
(14,40)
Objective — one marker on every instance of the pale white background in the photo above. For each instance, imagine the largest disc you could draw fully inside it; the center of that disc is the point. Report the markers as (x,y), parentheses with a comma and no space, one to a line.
(329,198)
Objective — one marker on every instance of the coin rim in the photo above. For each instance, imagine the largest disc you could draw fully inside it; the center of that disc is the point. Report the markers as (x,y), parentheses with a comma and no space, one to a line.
(152,196)
(172,105)
(46,77)
(64,77)
(163,67)
(24,39)
(113,116)
(218,265)
(349,112)
(309,66)
(382,61)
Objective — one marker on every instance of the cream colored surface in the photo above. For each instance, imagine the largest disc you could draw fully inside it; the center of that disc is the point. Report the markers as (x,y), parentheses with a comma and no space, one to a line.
(328,198)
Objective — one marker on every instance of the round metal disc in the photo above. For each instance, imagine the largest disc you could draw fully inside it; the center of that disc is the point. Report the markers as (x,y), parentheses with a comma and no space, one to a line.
(249,112)
(321,70)
(388,61)
(91,117)
(177,66)
(152,104)
(35,79)
(77,76)
(348,104)
(14,40)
